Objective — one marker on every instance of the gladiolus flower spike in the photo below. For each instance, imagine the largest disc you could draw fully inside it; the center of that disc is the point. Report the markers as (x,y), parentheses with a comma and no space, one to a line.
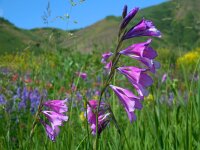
(144,53)
(98,115)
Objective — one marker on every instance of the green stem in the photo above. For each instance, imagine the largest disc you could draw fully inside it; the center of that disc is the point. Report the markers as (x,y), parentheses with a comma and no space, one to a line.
(87,127)
(118,128)
(36,118)
(110,77)
(81,142)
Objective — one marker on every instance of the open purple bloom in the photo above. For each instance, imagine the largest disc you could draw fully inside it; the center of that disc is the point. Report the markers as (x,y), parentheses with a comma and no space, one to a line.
(82,75)
(55,118)
(129,17)
(105,57)
(143,28)
(103,116)
(141,50)
(138,78)
(51,133)
(144,53)
(58,106)
(128,100)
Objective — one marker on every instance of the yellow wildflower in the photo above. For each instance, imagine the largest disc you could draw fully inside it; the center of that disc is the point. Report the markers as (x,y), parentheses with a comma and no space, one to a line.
(82,116)
(149,99)
(190,59)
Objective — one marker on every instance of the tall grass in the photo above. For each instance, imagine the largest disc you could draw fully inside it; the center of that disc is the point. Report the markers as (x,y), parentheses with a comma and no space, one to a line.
(164,122)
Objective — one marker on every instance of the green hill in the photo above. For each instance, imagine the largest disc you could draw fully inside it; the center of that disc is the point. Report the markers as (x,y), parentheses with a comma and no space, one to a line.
(13,39)
(178,20)
(179,31)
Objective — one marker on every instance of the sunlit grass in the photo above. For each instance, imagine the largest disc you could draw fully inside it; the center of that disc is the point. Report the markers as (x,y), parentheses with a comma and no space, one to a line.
(169,119)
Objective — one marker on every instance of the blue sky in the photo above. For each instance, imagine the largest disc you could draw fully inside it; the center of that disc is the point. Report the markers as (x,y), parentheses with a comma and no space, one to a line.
(28,13)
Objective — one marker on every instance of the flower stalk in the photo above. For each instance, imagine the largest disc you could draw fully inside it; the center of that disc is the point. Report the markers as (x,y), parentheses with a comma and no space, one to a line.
(36,118)
(110,77)
(138,77)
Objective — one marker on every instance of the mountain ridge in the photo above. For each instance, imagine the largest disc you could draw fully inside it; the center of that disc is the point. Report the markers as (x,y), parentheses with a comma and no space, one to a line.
(180,31)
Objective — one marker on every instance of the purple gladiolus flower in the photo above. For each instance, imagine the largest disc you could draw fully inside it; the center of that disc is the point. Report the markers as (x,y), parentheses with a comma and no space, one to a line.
(103,116)
(128,100)
(51,133)
(82,75)
(143,28)
(144,53)
(58,106)
(105,57)
(128,17)
(138,78)
(164,78)
(108,67)
(55,118)
(141,50)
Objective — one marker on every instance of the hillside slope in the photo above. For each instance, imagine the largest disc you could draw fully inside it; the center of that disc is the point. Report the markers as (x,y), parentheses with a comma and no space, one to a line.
(178,21)
(180,31)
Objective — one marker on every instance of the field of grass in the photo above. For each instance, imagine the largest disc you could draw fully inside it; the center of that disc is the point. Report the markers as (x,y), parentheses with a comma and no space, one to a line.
(169,119)
(43,64)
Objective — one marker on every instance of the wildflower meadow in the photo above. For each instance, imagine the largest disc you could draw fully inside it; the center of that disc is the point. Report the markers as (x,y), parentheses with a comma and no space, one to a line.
(133,95)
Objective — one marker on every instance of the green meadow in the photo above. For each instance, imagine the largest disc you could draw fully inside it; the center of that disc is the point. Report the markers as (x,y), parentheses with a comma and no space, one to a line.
(46,60)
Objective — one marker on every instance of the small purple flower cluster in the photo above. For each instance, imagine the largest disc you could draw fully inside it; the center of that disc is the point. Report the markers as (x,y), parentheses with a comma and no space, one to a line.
(26,96)
(17,98)
(103,116)
(2,100)
(55,116)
